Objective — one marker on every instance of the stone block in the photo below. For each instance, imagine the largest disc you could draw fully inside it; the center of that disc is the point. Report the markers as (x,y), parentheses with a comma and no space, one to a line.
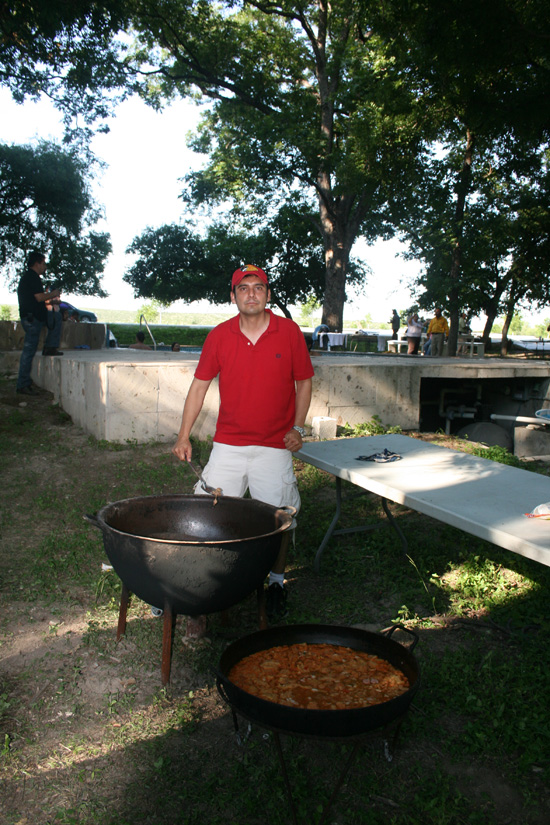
(531,440)
(323,427)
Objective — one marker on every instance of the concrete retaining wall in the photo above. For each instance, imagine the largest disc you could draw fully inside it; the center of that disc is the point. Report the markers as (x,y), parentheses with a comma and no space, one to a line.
(122,394)
(73,335)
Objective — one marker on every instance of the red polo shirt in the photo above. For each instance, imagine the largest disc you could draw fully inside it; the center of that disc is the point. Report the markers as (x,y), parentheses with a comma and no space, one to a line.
(257,389)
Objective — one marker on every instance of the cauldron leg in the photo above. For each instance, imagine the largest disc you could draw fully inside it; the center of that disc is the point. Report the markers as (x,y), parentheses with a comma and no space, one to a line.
(262,614)
(167,634)
(124,601)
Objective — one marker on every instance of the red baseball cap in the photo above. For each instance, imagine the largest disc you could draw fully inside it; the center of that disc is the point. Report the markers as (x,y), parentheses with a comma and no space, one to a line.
(247,269)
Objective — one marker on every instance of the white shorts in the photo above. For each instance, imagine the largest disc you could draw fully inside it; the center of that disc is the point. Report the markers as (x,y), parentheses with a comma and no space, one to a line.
(266,471)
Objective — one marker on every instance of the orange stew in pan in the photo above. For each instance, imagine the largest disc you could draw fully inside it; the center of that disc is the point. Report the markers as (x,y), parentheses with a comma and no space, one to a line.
(319,677)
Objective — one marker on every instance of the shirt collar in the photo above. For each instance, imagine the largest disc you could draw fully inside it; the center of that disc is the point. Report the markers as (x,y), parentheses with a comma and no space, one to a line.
(273,322)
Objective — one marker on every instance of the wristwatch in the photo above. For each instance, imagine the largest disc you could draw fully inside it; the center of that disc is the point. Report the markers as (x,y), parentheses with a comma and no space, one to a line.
(300,430)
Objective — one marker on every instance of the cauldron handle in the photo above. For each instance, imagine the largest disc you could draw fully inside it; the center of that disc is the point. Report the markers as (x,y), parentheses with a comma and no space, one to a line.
(287,508)
(92,518)
(388,633)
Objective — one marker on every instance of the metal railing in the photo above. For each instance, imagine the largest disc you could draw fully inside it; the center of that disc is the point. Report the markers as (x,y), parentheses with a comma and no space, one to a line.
(144,319)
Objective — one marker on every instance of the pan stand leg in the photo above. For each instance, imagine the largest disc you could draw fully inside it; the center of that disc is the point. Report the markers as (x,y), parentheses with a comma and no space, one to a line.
(394,524)
(344,773)
(123,610)
(285,776)
(241,739)
(167,634)
(336,790)
(390,746)
(262,615)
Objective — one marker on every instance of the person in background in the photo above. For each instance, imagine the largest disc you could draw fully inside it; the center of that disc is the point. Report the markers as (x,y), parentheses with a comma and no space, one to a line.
(438,330)
(316,331)
(265,374)
(55,318)
(414,334)
(464,333)
(33,300)
(176,347)
(395,322)
(139,343)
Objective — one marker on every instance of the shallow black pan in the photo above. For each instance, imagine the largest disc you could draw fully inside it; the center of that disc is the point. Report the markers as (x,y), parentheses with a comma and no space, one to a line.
(320,723)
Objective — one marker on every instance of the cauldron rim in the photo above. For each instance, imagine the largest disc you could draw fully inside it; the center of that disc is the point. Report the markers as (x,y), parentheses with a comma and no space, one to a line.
(285,513)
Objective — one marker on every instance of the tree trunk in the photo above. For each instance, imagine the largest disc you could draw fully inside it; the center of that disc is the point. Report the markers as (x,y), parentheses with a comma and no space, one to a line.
(336,260)
(490,320)
(491,311)
(462,190)
(505,328)
(510,308)
(283,307)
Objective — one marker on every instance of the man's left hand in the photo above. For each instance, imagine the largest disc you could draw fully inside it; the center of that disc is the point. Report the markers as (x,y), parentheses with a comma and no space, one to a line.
(293,441)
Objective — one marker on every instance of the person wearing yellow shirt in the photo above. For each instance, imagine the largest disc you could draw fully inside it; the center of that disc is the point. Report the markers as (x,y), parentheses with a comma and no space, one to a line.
(438,330)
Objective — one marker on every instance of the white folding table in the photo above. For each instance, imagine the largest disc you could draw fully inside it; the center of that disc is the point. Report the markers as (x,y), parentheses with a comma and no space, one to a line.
(477,495)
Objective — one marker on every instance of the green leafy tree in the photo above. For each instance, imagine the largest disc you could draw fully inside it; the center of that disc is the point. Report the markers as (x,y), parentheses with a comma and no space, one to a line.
(505,258)
(67,51)
(306,112)
(487,66)
(148,311)
(45,203)
(176,263)
(307,311)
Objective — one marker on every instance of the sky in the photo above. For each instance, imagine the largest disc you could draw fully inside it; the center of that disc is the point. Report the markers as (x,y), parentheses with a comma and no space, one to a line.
(146,155)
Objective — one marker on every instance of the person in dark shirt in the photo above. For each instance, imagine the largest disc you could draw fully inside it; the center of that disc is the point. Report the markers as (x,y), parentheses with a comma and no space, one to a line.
(395,322)
(34,301)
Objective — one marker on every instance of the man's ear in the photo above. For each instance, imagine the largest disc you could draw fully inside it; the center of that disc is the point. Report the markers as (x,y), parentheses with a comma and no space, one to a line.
(232,296)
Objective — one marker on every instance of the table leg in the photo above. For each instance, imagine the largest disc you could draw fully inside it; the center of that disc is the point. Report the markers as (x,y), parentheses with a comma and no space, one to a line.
(334,522)
(394,524)
(360,528)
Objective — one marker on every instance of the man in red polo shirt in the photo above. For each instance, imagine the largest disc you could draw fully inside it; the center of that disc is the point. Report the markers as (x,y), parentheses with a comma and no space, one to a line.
(265,375)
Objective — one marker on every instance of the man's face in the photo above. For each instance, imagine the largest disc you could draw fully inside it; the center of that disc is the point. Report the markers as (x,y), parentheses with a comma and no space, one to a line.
(39,267)
(438,313)
(251,296)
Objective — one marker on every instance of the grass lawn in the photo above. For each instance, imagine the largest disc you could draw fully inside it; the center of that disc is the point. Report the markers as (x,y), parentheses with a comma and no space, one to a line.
(88,734)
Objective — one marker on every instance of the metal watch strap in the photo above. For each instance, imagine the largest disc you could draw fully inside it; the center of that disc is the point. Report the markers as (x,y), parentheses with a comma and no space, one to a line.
(300,430)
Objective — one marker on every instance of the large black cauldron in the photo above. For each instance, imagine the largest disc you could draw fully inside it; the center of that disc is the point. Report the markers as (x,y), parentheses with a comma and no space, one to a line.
(188,555)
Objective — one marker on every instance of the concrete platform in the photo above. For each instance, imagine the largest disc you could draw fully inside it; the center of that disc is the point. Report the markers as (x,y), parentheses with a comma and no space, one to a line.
(120,394)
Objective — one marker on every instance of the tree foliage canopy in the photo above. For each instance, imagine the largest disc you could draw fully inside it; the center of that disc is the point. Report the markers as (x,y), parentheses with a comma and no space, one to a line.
(306,108)
(45,203)
(66,50)
(319,125)
(176,263)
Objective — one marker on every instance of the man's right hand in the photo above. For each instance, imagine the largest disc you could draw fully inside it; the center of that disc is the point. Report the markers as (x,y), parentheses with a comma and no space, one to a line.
(182,449)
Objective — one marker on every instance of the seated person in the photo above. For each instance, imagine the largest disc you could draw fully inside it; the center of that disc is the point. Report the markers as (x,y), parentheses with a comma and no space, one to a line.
(316,331)
(139,342)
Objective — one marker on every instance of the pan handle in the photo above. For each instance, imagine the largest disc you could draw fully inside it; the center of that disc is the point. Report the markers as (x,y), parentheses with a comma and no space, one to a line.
(388,633)
(220,684)
(92,518)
